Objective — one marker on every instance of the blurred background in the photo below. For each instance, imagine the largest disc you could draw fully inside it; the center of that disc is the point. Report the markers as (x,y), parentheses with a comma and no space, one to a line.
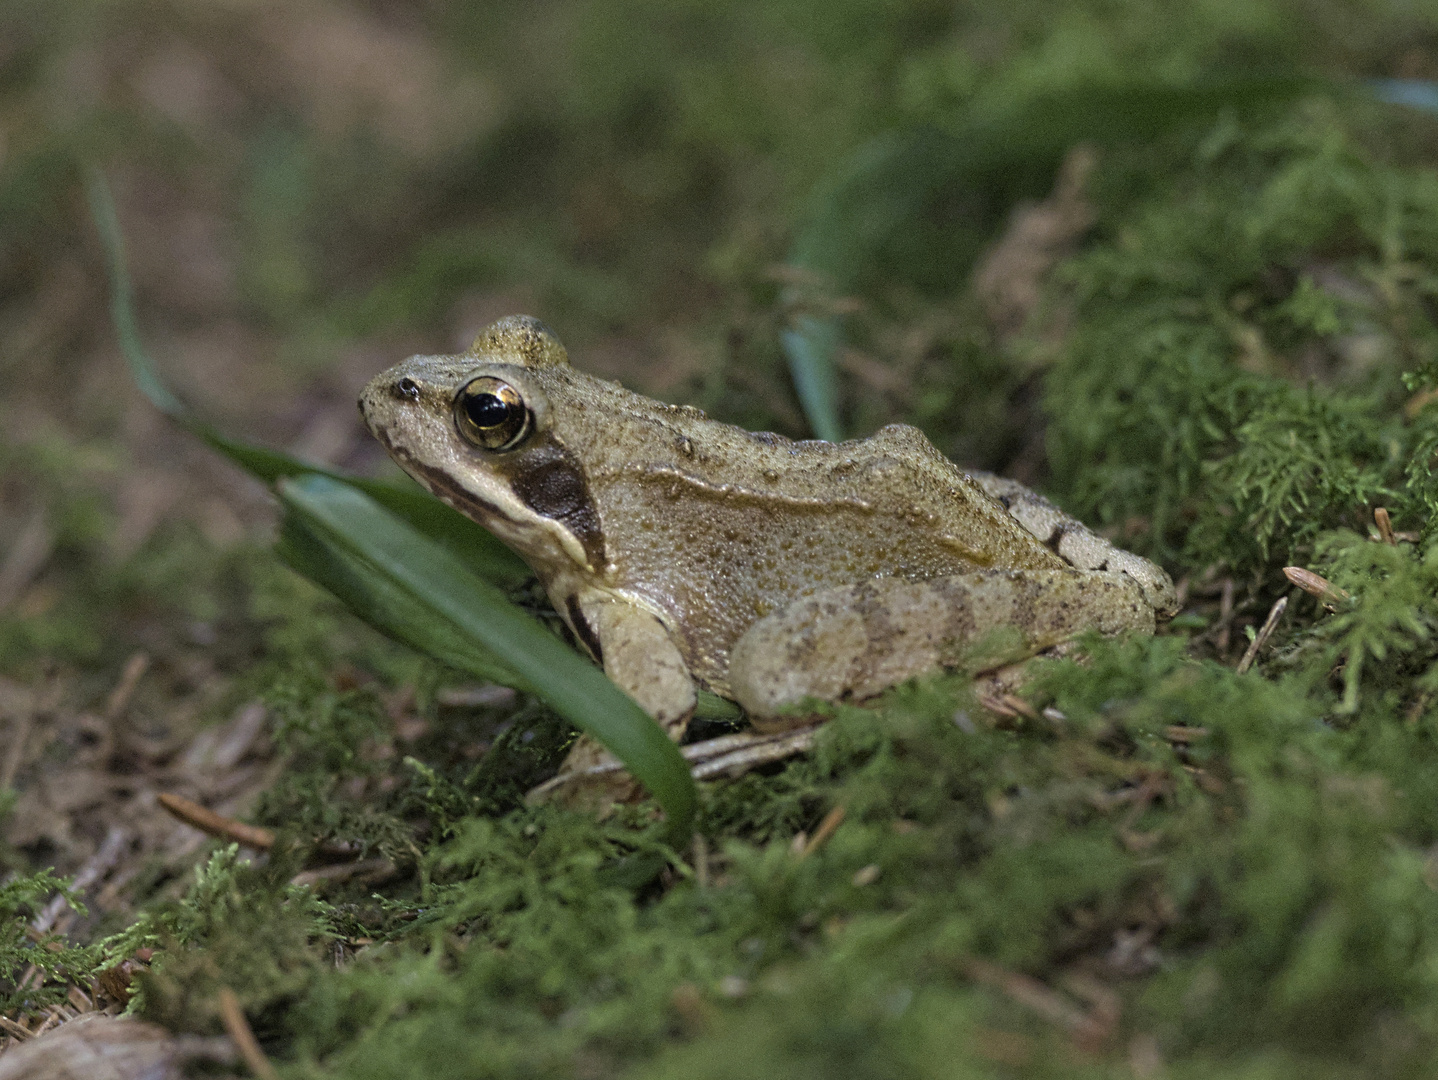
(312,189)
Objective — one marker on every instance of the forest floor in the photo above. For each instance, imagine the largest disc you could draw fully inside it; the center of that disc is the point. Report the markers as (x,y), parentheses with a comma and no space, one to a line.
(1206,325)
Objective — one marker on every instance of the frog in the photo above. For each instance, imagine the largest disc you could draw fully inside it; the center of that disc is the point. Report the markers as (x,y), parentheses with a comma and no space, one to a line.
(687,554)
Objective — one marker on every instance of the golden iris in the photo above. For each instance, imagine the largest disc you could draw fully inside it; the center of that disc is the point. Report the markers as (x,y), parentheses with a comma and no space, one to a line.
(491,414)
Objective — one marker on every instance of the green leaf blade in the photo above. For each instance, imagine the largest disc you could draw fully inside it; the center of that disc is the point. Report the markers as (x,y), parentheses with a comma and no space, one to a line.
(444,606)
(810,349)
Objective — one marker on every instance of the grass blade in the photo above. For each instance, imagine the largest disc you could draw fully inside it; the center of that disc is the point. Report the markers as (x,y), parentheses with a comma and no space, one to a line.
(810,349)
(122,300)
(418,591)
(389,609)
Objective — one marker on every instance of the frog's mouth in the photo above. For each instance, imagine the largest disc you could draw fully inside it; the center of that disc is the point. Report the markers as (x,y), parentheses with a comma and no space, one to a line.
(556,545)
(443,486)
(435,480)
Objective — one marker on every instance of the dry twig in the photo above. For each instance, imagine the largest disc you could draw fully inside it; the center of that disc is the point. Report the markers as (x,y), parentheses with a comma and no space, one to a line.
(130,677)
(1315,585)
(832,820)
(1225,615)
(1007,705)
(1265,632)
(1385,525)
(373,870)
(52,1018)
(1089,1031)
(217,825)
(238,1028)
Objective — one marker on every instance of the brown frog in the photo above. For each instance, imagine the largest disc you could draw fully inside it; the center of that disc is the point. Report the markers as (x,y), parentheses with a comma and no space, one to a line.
(685,552)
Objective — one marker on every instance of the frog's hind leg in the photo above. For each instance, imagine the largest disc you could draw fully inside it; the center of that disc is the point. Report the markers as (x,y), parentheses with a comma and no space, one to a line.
(641,658)
(856,641)
(1076,543)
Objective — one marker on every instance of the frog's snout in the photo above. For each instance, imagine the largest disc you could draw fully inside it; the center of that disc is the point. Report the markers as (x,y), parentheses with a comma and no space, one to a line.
(366,402)
(383,396)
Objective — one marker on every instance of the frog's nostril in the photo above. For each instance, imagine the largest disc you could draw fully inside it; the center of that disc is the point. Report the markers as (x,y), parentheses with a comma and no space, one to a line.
(407,388)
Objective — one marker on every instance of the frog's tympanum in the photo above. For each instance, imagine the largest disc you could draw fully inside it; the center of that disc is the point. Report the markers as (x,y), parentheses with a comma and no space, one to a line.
(684,552)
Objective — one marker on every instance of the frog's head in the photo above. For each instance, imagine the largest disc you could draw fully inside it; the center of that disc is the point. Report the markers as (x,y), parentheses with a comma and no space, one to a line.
(477,430)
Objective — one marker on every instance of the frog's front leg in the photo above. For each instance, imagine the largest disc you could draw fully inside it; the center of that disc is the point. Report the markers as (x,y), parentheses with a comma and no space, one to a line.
(856,641)
(639,655)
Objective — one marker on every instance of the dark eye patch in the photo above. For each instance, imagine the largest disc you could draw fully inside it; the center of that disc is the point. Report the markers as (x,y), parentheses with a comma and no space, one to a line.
(556,489)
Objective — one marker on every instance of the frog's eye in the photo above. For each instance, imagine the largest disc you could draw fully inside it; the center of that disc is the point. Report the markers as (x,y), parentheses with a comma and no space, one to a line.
(491,414)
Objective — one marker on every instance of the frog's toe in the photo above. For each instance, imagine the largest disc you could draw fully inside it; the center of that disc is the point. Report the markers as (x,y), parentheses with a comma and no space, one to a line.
(1153,581)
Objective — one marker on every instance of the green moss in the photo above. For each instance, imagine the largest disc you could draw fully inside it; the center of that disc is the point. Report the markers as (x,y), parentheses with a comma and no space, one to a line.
(21,952)
(1212,389)
(238,926)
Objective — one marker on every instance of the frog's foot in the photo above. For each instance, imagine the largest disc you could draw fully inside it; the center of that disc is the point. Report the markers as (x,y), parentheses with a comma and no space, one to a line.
(728,755)
(642,659)
(1076,543)
(857,641)
(590,781)
(1000,682)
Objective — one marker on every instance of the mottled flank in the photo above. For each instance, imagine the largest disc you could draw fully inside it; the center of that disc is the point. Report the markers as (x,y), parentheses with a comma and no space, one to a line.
(857,641)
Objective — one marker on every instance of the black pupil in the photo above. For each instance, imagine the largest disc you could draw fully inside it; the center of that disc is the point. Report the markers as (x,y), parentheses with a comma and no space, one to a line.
(487,410)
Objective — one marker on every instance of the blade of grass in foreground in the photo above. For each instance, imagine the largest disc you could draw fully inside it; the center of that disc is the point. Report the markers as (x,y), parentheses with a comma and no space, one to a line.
(386,606)
(445,609)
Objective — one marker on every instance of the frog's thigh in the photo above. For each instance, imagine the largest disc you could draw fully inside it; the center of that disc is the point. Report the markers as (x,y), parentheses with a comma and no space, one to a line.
(856,641)
(1076,543)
